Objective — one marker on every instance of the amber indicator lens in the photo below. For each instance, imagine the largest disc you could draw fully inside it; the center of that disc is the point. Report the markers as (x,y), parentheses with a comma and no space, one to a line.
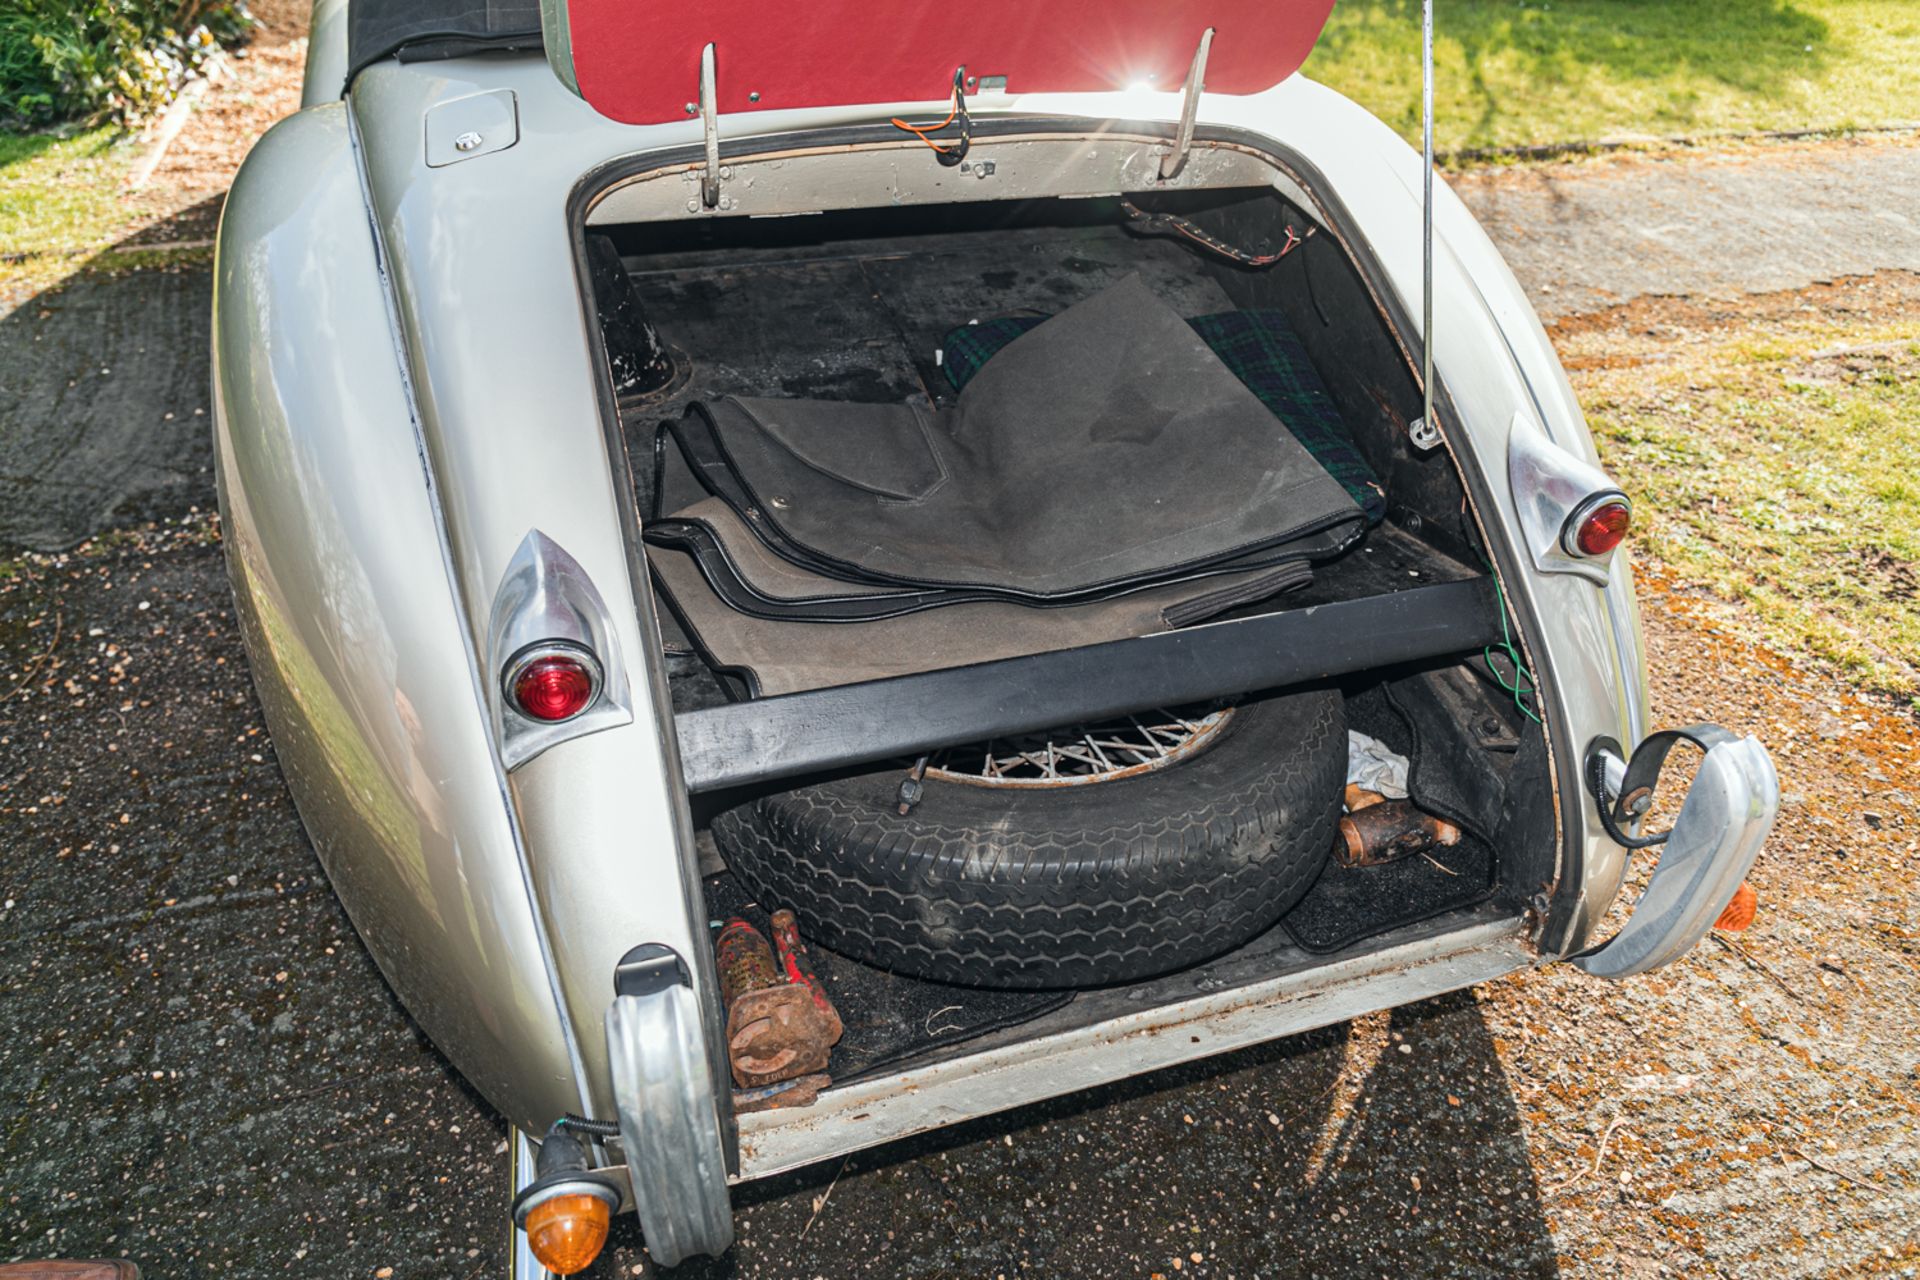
(1603,528)
(1739,913)
(554,686)
(567,1232)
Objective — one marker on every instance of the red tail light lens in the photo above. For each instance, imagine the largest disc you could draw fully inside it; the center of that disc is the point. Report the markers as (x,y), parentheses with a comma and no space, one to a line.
(553,682)
(1599,527)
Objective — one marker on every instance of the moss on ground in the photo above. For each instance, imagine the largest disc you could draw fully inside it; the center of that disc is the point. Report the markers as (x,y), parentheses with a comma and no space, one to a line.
(1770,452)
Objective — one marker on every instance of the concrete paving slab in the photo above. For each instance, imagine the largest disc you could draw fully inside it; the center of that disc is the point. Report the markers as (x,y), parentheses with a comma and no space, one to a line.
(1590,235)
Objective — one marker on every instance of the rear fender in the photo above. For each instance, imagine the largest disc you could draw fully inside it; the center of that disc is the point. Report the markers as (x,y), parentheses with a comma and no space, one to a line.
(358,647)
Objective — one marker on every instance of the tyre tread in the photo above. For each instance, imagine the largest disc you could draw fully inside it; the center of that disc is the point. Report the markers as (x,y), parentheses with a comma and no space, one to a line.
(1074,895)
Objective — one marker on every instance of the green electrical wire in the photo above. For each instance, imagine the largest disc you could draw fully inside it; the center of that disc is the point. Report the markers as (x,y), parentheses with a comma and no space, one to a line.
(1522,685)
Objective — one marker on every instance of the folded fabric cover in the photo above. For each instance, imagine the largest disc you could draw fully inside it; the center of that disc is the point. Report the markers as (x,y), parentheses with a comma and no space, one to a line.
(786,657)
(1261,349)
(746,577)
(1104,450)
(1105,475)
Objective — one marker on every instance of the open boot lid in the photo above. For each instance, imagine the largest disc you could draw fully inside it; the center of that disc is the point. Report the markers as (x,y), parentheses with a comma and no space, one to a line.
(642,64)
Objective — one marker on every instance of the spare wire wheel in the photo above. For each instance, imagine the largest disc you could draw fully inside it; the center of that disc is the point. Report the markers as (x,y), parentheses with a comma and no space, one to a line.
(1117,748)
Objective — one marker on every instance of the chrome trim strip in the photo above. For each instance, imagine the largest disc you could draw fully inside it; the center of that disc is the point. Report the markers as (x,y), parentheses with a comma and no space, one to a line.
(521,1157)
(1007,1075)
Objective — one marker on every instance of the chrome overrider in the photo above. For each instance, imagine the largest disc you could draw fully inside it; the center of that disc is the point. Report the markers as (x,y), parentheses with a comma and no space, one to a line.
(1730,807)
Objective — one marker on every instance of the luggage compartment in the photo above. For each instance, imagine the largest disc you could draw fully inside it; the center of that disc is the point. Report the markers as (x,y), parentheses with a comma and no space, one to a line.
(854,301)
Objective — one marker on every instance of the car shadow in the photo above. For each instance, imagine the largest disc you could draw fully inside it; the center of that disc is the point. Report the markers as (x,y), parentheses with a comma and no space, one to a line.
(104,401)
(1389,1146)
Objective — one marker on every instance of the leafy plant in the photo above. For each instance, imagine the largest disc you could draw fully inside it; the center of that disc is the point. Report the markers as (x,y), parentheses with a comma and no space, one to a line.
(93,60)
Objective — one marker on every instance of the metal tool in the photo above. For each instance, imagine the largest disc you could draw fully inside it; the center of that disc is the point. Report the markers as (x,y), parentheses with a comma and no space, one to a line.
(1388,831)
(776,1029)
(801,1092)
(795,967)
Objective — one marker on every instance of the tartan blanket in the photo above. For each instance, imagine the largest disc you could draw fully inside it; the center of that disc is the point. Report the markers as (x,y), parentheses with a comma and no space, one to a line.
(1262,350)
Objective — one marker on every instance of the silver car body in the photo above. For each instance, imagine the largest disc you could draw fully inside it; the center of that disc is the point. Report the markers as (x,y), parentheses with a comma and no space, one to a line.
(405,392)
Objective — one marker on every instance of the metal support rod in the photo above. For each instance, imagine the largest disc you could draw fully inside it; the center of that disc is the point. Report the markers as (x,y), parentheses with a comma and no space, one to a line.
(1171,163)
(1425,434)
(710,119)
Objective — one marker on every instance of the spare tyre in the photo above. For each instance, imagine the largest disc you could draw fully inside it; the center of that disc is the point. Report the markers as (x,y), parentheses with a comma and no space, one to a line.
(1081,857)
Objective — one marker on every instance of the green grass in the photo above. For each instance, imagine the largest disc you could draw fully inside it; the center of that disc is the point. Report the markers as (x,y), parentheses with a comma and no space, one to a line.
(1512,73)
(61,200)
(1780,477)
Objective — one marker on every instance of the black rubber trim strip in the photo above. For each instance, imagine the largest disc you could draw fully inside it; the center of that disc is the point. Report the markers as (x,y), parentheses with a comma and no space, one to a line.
(379,29)
(433,43)
(798,733)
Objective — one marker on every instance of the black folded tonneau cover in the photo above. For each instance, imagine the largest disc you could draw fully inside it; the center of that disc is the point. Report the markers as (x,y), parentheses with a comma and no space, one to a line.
(379,29)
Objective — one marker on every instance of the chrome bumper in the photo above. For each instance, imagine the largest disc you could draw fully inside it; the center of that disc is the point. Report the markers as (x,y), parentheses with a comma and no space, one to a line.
(1729,809)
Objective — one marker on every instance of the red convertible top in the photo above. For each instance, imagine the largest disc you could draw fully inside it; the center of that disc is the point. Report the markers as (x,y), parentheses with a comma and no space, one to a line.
(640,63)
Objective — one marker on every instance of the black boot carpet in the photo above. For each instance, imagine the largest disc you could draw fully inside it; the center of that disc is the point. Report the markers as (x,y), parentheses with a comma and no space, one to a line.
(1350,904)
(889,1017)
